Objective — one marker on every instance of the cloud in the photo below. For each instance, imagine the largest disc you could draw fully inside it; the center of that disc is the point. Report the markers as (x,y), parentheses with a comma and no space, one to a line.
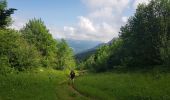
(115,5)
(106,17)
(105,12)
(124,19)
(101,23)
(103,32)
(86,25)
(69,30)
(56,33)
(137,2)
(18,23)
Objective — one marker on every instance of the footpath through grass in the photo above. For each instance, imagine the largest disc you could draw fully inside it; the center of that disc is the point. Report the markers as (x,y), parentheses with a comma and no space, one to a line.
(125,86)
(45,84)
(48,84)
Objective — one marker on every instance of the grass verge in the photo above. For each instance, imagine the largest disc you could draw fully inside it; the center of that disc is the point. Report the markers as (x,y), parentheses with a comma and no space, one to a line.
(125,86)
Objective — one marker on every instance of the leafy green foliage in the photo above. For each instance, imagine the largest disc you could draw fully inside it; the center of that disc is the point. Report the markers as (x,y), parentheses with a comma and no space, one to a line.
(36,33)
(4,66)
(143,41)
(54,54)
(165,53)
(47,84)
(16,52)
(106,57)
(143,33)
(65,55)
(125,86)
(5,14)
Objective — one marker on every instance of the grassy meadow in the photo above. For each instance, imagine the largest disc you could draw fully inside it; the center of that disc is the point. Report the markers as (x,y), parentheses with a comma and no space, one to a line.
(43,84)
(49,84)
(129,61)
(125,86)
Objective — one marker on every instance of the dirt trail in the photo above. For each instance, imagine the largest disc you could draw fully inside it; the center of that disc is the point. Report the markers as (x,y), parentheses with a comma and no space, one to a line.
(71,92)
(71,89)
(71,86)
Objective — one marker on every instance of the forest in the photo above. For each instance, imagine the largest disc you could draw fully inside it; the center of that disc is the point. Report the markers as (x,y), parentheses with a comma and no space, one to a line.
(135,66)
(143,42)
(30,47)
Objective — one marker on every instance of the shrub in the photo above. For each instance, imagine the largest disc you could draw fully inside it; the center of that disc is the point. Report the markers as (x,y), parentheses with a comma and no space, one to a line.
(16,52)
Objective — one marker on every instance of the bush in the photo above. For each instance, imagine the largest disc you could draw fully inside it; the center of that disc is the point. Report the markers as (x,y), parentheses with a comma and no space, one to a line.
(16,52)
(36,33)
(165,53)
(4,65)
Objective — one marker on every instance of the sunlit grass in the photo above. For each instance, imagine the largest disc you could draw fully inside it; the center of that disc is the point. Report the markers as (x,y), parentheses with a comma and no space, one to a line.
(41,84)
(49,84)
(125,86)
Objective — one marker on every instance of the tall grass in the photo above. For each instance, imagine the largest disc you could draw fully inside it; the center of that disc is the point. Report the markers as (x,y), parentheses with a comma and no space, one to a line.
(125,86)
(42,84)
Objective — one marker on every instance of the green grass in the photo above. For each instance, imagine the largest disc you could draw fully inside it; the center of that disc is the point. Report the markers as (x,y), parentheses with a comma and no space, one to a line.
(48,84)
(125,86)
(39,85)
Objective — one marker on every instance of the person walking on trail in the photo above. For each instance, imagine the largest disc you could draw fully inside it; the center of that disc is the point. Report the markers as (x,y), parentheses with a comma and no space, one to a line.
(72,75)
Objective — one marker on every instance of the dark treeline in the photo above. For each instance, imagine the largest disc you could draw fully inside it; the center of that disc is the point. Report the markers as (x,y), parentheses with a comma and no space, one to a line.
(32,46)
(144,41)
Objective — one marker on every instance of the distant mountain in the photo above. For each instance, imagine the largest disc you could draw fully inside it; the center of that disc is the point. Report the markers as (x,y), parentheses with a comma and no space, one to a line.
(83,55)
(82,45)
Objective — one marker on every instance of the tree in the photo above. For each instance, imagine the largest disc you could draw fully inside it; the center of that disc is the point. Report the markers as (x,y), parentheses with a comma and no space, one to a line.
(164,23)
(5,14)
(142,35)
(105,58)
(144,41)
(15,52)
(65,55)
(36,33)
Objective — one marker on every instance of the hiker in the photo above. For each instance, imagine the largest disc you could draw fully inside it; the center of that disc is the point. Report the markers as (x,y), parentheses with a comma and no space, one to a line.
(72,75)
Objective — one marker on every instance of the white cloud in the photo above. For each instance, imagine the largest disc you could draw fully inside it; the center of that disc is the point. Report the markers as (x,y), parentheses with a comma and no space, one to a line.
(56,33)
(105,12)
(70,30)
(18,23)
(101,23)
(106,16)
(85,29)
(86,25)
(124,19)
(116,5)
(103,32)
(106,28)
(137,2)
(105,3)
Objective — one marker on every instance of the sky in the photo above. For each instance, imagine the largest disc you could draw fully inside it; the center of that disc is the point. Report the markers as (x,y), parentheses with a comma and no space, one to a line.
(92,20)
